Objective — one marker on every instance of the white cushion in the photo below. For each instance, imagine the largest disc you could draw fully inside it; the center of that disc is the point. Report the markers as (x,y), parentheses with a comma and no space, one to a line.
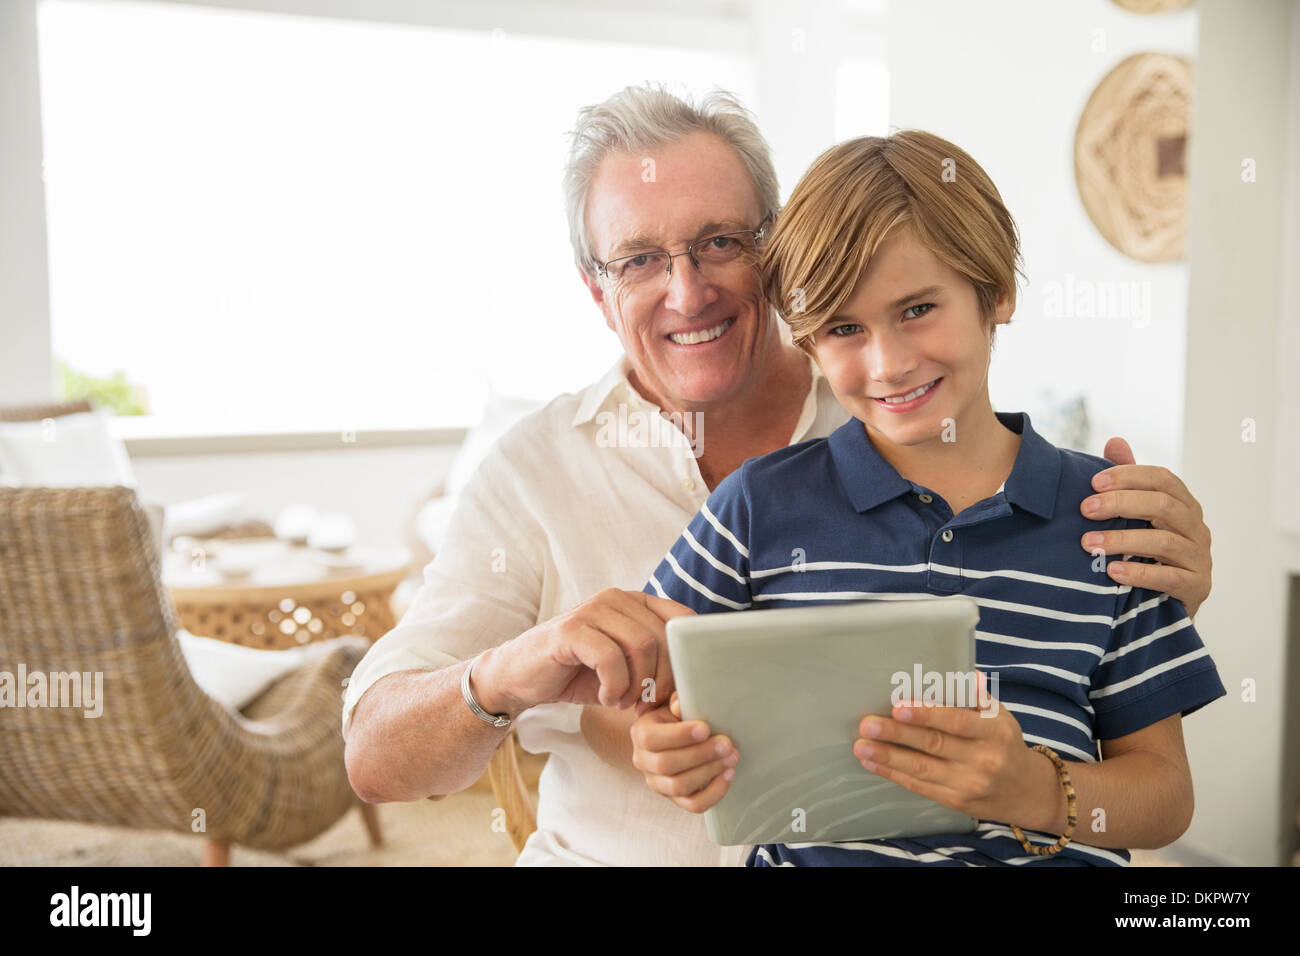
(201,516)
(434,518)
(68,451)
(499,415)
(234,675)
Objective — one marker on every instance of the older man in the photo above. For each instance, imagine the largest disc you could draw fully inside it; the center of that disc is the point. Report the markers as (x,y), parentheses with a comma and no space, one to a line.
(531,615)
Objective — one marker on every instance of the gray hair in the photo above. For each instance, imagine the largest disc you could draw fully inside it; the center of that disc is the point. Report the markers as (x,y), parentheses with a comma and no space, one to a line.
(640,118)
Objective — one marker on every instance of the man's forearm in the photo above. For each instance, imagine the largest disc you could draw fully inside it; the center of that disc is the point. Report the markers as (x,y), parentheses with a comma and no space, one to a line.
(412,736)
(1136,800)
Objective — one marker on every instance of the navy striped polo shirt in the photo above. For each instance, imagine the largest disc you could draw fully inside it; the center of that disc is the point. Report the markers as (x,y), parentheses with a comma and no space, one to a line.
(1079,657)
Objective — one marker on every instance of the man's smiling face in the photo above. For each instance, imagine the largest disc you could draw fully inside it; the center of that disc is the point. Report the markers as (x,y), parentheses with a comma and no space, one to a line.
(699,188)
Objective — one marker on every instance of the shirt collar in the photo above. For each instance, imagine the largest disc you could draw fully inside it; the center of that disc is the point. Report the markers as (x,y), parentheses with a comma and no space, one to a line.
(610,385)
(871,481)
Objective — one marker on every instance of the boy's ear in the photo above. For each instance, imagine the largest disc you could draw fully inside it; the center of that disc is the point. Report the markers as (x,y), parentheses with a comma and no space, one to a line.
(1006,306)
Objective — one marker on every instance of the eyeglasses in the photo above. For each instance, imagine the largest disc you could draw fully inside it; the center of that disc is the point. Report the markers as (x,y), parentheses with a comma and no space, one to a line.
(707,255)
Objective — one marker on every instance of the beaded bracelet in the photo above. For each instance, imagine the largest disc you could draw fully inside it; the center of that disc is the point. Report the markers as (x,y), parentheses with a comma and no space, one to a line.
(1071,809)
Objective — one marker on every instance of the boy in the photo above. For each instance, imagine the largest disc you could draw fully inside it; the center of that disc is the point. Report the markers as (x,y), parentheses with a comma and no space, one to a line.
(893,264)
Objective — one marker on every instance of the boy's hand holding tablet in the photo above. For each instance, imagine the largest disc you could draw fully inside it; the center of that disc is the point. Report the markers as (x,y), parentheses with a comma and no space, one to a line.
(973,761)
(680,760)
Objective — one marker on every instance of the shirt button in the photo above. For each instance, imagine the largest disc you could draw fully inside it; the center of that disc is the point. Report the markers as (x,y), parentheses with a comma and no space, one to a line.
(926,498)
(947,535)
(688,484)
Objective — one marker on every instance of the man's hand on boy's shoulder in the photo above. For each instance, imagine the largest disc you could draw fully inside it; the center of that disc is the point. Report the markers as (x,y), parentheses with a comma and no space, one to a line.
(1178,538)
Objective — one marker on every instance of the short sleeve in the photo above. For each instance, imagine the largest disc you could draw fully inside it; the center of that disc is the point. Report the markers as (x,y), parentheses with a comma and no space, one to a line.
(482,589)
(1156,666)
(707,569)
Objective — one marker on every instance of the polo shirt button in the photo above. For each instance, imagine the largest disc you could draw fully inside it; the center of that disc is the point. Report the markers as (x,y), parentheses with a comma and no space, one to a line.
(688,484)
(926,498)
(947,535)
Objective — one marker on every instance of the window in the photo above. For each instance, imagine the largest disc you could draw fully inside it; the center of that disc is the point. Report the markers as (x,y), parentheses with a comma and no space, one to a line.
(273,222)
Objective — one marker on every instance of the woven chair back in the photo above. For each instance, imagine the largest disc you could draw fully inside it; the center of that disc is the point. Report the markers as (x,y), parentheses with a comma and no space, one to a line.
(82,607)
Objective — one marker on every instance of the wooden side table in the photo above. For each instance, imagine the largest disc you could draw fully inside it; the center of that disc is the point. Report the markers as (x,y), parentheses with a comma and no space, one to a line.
(290,595)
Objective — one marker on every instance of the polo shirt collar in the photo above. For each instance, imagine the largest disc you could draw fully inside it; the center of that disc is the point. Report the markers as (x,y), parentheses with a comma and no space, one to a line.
(869,480)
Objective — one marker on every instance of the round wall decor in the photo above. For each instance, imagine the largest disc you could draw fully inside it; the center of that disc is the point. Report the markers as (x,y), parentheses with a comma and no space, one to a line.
(1152,6)
(1130,156)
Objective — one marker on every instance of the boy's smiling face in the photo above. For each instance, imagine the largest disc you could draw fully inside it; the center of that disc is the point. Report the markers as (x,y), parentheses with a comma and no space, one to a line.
(912,322)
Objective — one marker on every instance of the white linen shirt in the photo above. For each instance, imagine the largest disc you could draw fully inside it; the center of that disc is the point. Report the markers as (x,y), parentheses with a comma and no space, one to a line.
(585,494)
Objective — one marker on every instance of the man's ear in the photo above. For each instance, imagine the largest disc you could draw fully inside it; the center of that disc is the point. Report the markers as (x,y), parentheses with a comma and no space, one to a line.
(593,286)
(597,295)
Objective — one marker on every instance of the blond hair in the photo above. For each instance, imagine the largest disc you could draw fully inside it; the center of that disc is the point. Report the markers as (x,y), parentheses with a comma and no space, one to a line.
(640,118)
(855,195)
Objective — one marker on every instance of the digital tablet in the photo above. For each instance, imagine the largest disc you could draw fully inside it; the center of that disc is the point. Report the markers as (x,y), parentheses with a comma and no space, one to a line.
(790,686)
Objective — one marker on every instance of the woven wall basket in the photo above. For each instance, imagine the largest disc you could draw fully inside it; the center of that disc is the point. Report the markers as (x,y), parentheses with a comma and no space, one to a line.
(1130,153)
(1152,6)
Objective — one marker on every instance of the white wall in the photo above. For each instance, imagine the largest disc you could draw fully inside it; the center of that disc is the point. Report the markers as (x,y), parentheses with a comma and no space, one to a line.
(799,47)
(1287,502)
(1007,82)
(1245,98)
(25,371)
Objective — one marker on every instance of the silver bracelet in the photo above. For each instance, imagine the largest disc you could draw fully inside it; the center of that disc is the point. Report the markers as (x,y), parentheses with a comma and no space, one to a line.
(496,720)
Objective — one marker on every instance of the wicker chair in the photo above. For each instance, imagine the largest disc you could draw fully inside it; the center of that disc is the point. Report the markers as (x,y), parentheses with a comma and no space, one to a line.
(511,791)
(80,590)
(36,413)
